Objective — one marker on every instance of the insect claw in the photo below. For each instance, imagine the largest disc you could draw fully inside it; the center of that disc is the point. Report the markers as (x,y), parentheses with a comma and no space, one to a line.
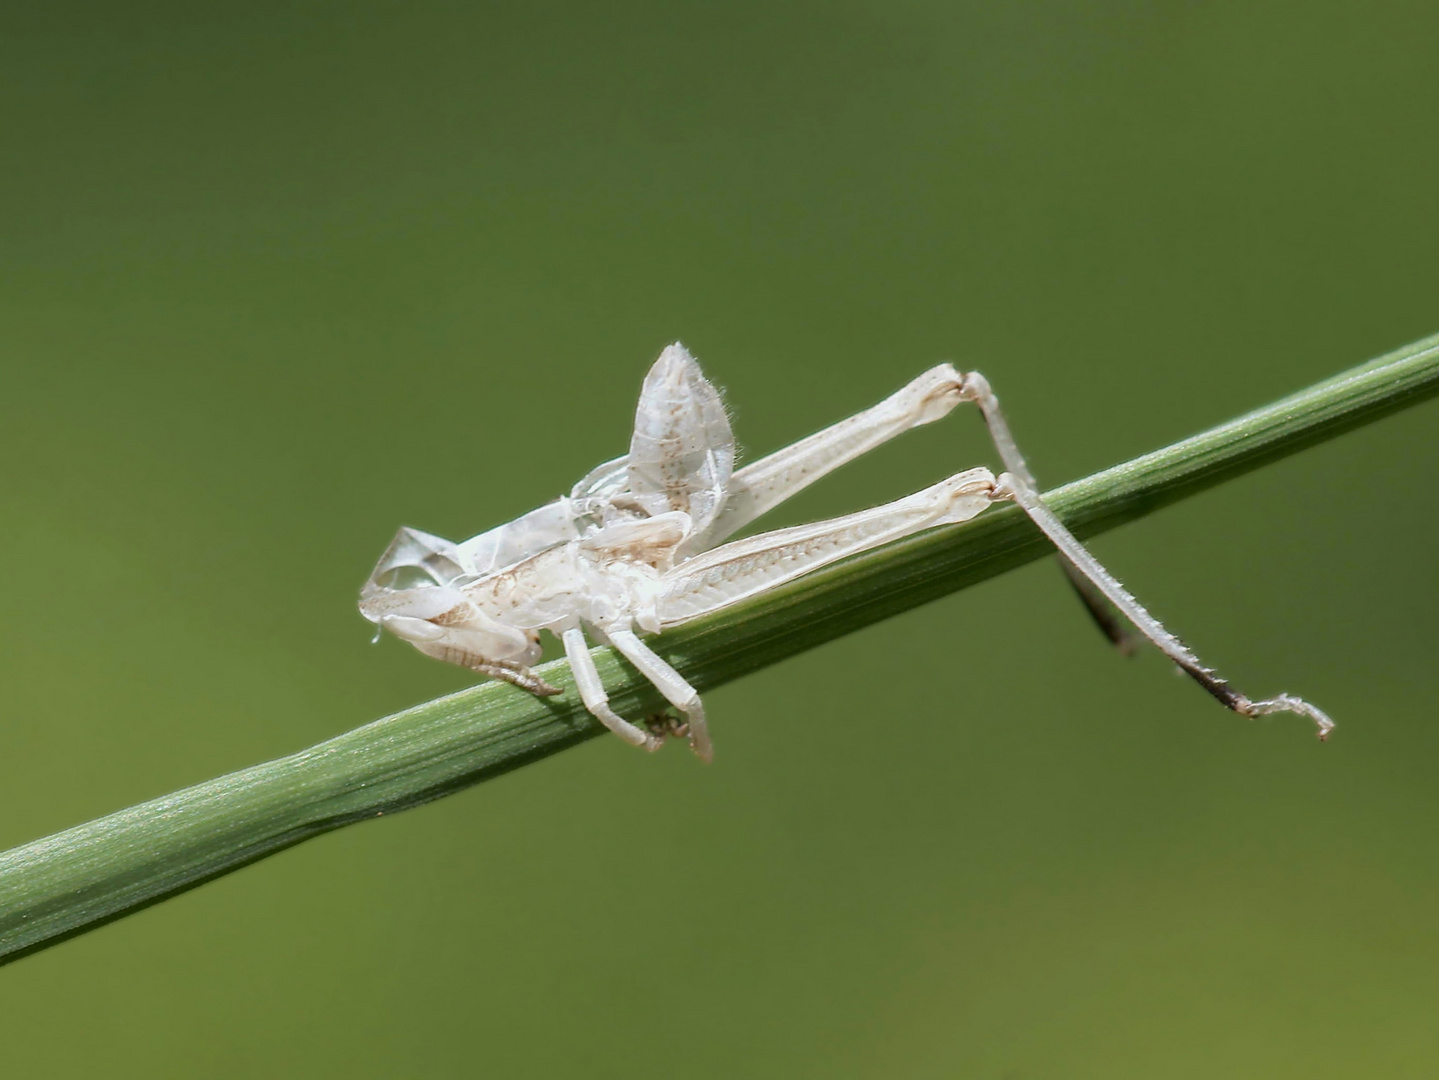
(664,726)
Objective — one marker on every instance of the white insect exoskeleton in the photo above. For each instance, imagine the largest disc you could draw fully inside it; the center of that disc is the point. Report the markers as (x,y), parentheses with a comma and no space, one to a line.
(639,545)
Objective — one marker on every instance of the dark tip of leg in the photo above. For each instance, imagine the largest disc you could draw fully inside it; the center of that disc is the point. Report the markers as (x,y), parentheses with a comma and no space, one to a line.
(1111,624)
(1218,689)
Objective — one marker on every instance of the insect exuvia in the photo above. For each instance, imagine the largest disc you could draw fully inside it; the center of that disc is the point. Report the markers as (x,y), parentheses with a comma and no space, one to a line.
(639,544)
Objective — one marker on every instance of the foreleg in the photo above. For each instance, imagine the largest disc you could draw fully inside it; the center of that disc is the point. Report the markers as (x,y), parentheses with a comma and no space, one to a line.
(510,671)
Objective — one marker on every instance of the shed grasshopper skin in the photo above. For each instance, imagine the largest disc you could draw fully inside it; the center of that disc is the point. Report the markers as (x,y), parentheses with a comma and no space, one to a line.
(640,544)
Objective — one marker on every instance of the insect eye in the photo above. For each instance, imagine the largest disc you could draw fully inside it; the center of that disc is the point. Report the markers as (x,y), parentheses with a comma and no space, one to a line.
(405,577)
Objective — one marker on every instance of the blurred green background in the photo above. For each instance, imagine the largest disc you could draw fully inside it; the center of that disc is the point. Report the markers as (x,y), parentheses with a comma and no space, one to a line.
(277,278)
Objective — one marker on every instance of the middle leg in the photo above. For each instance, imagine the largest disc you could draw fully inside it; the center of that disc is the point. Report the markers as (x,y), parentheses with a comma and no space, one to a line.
(592,692)
(671,684)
